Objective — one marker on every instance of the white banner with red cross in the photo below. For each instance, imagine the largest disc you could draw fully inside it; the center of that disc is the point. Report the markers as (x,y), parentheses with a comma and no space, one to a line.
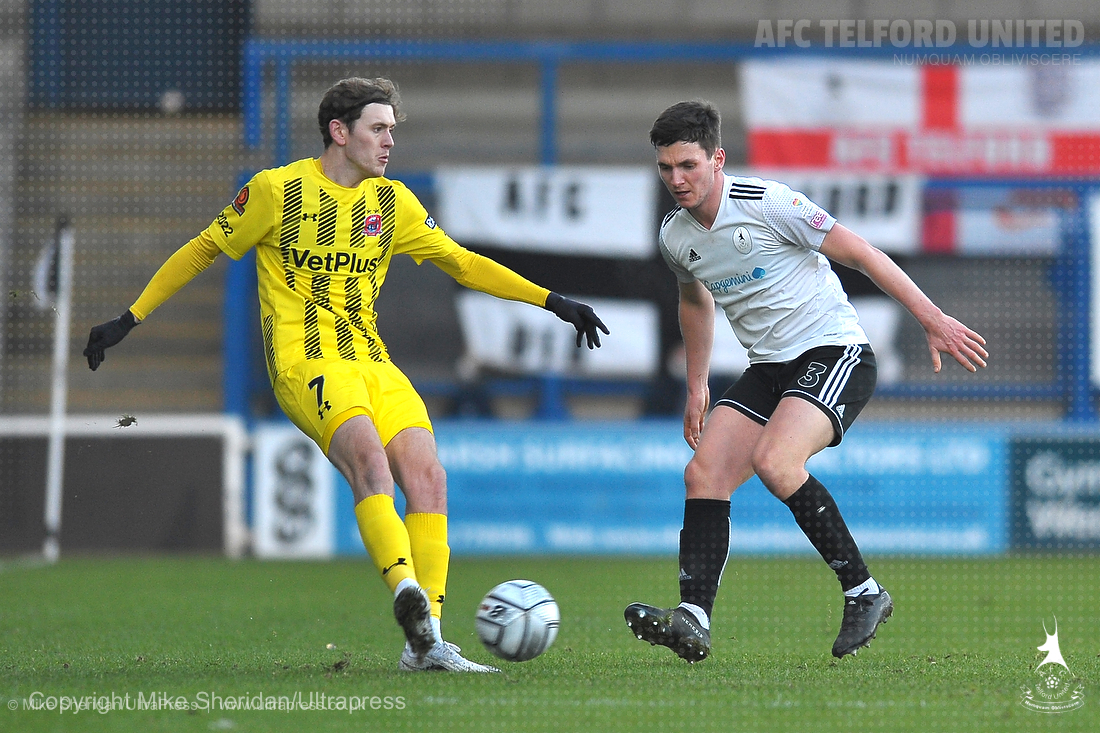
(874,118)
(869,115)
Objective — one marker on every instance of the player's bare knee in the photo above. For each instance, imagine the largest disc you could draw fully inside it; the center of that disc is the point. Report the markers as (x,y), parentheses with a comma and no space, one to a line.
(698,481)
(692,477)
(771,465)
(367,473)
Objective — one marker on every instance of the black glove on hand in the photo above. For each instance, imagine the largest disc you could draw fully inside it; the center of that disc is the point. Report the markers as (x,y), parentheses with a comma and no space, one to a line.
(583,318)
(106,335)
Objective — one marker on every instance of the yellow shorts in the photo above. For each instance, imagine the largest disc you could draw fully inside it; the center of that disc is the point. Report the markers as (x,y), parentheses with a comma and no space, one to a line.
(321,395)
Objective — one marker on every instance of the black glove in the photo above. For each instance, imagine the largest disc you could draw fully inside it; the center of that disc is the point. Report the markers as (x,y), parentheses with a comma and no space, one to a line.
(106,335)
(583,318)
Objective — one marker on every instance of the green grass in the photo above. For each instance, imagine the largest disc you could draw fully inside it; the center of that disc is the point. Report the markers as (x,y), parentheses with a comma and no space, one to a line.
(953,658)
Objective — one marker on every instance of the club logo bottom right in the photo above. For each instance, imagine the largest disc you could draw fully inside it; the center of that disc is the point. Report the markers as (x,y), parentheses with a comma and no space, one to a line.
(1056,690)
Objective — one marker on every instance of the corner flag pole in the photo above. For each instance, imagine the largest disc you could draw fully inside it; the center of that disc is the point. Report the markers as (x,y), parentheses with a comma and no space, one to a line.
(55,462)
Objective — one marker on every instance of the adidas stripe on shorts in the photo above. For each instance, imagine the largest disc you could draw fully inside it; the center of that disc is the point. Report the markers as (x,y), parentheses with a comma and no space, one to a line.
(838,379)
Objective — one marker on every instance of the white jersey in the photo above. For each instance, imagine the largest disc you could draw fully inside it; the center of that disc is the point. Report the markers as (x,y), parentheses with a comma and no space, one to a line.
(761,263)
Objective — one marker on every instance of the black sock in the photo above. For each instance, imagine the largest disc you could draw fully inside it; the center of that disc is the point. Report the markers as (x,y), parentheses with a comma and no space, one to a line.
(704,547)
(818,516)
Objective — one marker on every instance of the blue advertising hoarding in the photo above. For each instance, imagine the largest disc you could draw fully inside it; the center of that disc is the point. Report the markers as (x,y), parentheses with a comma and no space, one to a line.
(581,488)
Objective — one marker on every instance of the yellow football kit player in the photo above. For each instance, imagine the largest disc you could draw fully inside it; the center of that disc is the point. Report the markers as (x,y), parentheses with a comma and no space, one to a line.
(322,254)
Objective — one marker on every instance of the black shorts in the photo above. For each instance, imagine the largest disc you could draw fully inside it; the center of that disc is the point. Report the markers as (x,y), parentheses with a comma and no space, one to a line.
(838,379)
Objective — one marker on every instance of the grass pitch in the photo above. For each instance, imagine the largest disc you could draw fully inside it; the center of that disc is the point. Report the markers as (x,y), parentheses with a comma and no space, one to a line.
(211,633)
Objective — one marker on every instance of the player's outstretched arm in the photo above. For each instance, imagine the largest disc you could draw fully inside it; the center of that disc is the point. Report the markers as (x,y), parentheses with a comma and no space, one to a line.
(481,273)
(944,333)
(106,335)
(583,318)
(188,261)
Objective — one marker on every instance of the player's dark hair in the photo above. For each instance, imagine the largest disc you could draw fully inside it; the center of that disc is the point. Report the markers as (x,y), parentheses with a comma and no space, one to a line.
(346,99)
(697,121)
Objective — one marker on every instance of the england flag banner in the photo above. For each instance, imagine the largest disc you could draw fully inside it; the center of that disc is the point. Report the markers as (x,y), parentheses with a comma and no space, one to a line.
(937,119)
(573,210)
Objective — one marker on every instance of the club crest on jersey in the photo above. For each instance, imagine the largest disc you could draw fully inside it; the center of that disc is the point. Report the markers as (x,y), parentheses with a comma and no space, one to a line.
(742,240)
(372,227)
(240,201)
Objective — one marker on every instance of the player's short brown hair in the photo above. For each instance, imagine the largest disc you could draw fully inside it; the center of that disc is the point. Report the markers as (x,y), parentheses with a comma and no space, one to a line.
(346,99)
(697,121)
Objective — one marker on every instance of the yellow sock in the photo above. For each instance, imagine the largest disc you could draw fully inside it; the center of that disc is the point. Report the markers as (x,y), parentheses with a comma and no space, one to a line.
(386,539)
(432,554)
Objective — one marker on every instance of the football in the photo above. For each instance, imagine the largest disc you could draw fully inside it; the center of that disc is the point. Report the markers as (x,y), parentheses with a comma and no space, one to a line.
(517,620)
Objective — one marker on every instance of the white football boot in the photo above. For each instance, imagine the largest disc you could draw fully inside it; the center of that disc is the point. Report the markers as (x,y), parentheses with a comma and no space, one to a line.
(443,656)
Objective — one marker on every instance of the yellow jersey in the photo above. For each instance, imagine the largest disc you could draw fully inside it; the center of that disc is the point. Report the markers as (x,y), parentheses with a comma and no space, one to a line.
(322,254)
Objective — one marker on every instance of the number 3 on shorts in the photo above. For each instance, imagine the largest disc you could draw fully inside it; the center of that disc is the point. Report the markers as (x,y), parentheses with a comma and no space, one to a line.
(814,370)
(323,405)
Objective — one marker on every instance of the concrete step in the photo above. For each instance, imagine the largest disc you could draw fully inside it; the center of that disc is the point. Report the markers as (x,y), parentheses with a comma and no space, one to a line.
(122,400)
(71,135)
(198,200)
(145,240)
(124,381)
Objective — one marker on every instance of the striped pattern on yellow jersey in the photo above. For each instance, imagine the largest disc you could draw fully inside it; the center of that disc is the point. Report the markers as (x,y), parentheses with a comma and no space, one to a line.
(322,254)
